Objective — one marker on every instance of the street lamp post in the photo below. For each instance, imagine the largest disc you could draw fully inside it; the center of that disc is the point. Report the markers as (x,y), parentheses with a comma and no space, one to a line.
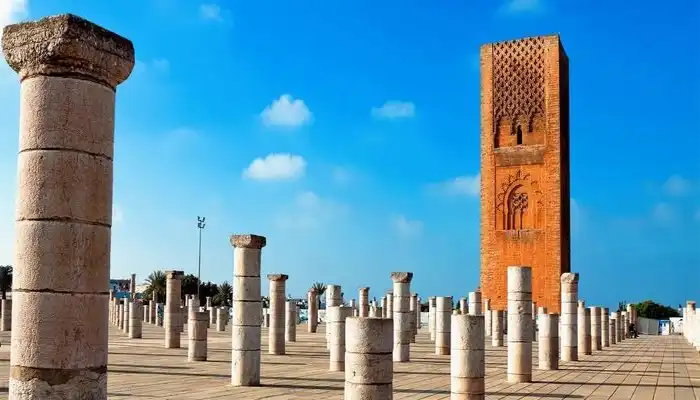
(200,225)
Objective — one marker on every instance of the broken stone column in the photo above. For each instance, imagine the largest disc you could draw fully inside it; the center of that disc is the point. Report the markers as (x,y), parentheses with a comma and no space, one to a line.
(569,317)
(431,317)
(120,315)
(68,68)
(135,320)
(487,317)
(336,316)
(613,329)
(197,335)
(630,314)
(549,341)
(475,303)
(353,305)
(584,329)
(212,316)
(463,305)
(363,310)
(443,311)
(605,327)
(519,324)
(497,327)
(290,321)
(221,319)
(277,310)
(207,303)
(333,299)
(247,308)
(127,315)
(402,315)
(172,314)
(468,365)
(376,312)
(369,370)
(383,307)
(390,306)
(596,329)
(152,314)
(146,309)
(312,321)
(413,304)
(6,307)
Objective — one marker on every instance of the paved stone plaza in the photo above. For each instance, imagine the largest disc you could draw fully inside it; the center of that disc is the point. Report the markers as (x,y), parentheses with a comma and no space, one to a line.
(659,367)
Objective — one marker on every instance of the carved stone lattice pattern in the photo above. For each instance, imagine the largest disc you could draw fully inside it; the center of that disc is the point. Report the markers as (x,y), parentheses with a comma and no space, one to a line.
(518,201)
(518,79)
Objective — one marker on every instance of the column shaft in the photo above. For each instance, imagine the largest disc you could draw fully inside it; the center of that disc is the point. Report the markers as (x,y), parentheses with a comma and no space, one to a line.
(596,329)
(172,318)
(467,357)
(402,315)
(519,324)
(369,370)
(584,329)
(569,317)
(443,311)
(290,321)
(475,303)
(197,335)
(497,327)
(312,322)
(548,341)
(336,316)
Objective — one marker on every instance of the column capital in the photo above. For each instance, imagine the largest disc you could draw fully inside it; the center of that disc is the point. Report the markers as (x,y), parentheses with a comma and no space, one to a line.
(364,289)
(174,274)
(401,277)
(69,46)
(248,241)
(277,277)
(569,277)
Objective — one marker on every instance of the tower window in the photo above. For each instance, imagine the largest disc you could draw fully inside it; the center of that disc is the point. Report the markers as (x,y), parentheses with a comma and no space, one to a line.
(519,135)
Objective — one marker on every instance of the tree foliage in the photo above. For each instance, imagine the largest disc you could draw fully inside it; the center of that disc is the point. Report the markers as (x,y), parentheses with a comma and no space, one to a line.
(156,287)
(320,290)
(650,309)
(5,279)
(223,295)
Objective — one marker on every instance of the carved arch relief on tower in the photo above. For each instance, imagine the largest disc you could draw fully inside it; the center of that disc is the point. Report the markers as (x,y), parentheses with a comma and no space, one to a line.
(519,203)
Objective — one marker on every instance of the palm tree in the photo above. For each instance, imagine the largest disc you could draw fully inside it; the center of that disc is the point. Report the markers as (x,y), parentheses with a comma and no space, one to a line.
(156,286)
(223,295)
(320,290)
(5,279)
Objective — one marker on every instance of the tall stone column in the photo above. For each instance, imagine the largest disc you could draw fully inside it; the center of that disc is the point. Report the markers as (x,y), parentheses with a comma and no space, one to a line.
(534,321)
(487,317)
(625,325)
(383,307)
(497,327)
(630,314)
(418,315)
(312,300)
(413,308)
(127,315)
(120,316)
(159,320)
(369,370)
(277,309)
(475,303)
(612,331)
(132,287)
(519,324)
(364,302)
(68,68)
(463,305)
(596,329)
(549,341)
(467,359)
(605,327)
(197,335)
(172,319)
(333,299)
(431,317)
(619,323)
(402,315)
(221,318)
(207,303)
(584,329)
(443,311)
(247,308)
(336,316)
(146,309)
(135,320)
(212,316)
(390,306)
(290,321)
(152,316)
(569,316)
(6,306)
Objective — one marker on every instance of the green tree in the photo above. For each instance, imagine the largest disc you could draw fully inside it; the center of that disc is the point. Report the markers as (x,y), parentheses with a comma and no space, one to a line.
(223,295)
(320,290)
(189,285)
(650,309)
(5,279)
(156,287)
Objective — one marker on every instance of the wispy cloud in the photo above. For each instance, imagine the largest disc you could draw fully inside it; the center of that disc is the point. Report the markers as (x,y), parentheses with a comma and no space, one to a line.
(287,112)
(394,109)
(664,213)
(12,11)
(210,12)
(676,185)
(310,211)
(466,185)
(276,166)
(405,227)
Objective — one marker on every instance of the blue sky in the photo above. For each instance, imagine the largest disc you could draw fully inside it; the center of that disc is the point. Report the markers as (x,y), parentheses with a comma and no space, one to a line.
(347,132)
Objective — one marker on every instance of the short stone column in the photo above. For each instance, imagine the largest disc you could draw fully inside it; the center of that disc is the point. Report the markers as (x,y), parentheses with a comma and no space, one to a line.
(605,327)
(132,287)
(475,303)
(390,306)
(152,309)
(68,70)
(497,327)
(135,320)
(159,320)
(146,310)
(569,317)
(120,315)
(6,322)
(431,317)
(336,316)
(369,370)
(363,297)
(353,305)
(487,317)
(277,311)
(443,311)
(418,315)
(290,321)
(549,342)
(333,299)
(402,315)
(534,321)
(413,308)
(207,303)
(127,315)
(172,316)
(312,321)
(612,331)
(111,306)
(584,329)
(213,313)
(596,329)
(221,319)
(467,359)
(519,324)
(463,305)
(197,335)
(625,325)
(383,307)
(247,308)
(630,314)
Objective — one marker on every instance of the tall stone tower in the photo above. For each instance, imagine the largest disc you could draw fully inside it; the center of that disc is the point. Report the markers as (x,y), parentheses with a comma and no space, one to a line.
(525,166)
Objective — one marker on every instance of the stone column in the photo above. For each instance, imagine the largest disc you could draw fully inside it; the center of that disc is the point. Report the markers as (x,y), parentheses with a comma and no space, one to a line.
(612,331)
(135,320)
(534,321)
(468,366)
(336,316)
(127,315)
(312,322)
(132,287)
(333,299)
(376,312)
(369,370)
(247,308)
(463,305)
(549,341)
(584,329)
(290,321)
(596,329)
(431,317)
(120,315)
(364,302)
(625,325)
(172,318)
(630,314)
(412,306)
(145,310)
(154,312)
(402,315)
(159,320)
(383,307)
(605,327)
(569,316)
(277,310)
(619,323)
(519,324)
(497,319)
(418,315)
(6,306)
(390,306)
(111,306)
(221,319)
(443,311)
(197,335)
(68,68)
(475,303)
(487,317)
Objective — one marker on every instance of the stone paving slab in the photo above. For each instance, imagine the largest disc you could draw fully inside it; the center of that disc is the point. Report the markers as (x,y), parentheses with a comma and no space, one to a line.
(648,368)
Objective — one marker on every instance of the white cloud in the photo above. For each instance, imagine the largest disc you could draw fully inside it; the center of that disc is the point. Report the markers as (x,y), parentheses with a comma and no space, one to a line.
(276,166)
(522,7)
(395,109)
(310,211)
(286,111)
(117,214)
(406,227)
(12,11)
(676,185)
(664,213)
(465,185)
(210,12)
